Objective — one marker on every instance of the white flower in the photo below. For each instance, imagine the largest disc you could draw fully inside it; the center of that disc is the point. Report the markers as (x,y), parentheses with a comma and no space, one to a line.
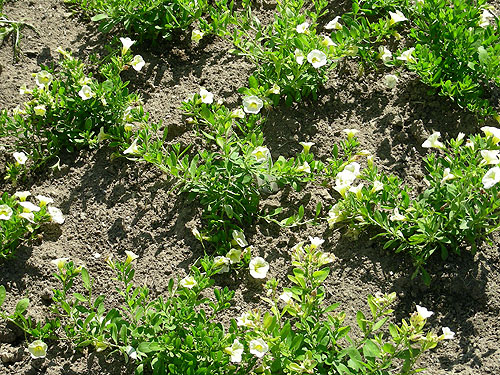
(22,195)
(432,141)
(261,154)
(40,110)
(460,136)
(245,320)
(258,268)
(391,81)
(133,149)
(43,79)
(335,215)
(258,347)
(252,104)
(490,156)
(448,334)
(235,351)
(327,41)
(316,58)
(275,89)
(384,54)
(222,263)
(196,36)
(5,212)
(239,238)
(423,312)
(350,132)
(86,92)
(206,96)
(127,114)
(316,242)
(38,349)
(56,215)
(357,190)
(238,113)
(188,282)
(23,90)
(137,63)
(407,55)
(286,297)
(234,256)
(304,168)
(126,44)
(59,262)
(131,256)
(307,146)
(491,178)
(44,200)
(20,157)
(299,56)
(102,135)
(131,352)
(397,216)
(30,216)
(447,175)
(397,17)
(353,168)
(377,186)
(29,207)
(484,20)
(302,28)
(334,24)
(493,132)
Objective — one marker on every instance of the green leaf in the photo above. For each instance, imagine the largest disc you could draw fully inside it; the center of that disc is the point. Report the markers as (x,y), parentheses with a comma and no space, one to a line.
(85,278)
(370,349)
(360,318)
(22,305)
(80,297)
(148,347)
(99,17)
(321,275)
(2,294)
(253,83)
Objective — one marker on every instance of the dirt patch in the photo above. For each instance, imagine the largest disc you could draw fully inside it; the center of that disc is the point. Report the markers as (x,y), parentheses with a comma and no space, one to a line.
(113,206)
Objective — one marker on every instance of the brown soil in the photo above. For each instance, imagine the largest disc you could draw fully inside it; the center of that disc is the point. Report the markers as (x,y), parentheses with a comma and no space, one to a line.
(115,206)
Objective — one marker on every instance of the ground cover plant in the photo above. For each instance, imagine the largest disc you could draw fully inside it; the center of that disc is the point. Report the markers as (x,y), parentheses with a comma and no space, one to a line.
(188,191)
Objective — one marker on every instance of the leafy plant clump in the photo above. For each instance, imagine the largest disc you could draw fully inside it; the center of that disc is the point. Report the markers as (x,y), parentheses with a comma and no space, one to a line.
(459,207)
(180,333)
(69,108)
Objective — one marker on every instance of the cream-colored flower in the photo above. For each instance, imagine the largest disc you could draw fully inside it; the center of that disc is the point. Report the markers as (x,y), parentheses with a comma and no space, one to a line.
(20,157)
(59,263)
(86,92)
(22,195)
(44,200)
(315,242)
(335,215)
(40,110)
(275,89)
(384,54)
(484,20)
(316,58)
(137,63)
(396,216)
(327,42)
(258,347)
(56,215)
(5,212)
(396,17)
(423,312)
(299,56)
(286,297)
(238,113)
(234,256)
(351,132)
(239,238)
(448,334)
(252,104)
(334,24)
(196,36)
(133,149)
(447,175)
(258,268)
(261,154)
(188,282)
(491,178)
(304,168)
(30,216)
(101,136)
(245,320)
(126,44)
(377,186)
(131,256)
(23,90)
(222,263)
(37,349)
(432,141)
(492,132)
(302,28)
(357,190)
(206,96)
(307,146)
(391,80)
(43,79)
(407,55)
(29,207)
(127,114)
(490,157)
(235,351)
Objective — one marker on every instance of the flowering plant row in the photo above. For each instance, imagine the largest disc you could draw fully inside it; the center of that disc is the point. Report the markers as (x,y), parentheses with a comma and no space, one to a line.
(179,333)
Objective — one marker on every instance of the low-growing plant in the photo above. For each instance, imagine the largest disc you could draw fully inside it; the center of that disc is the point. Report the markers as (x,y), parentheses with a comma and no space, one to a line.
(20,219)
(10,28)
(180,333)
(70,108)
(459,207)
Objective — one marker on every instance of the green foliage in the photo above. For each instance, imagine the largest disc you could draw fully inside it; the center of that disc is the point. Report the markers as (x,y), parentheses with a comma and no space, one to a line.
(12,29)
(148,19)
(19,222)
(459,207)
(70,109)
